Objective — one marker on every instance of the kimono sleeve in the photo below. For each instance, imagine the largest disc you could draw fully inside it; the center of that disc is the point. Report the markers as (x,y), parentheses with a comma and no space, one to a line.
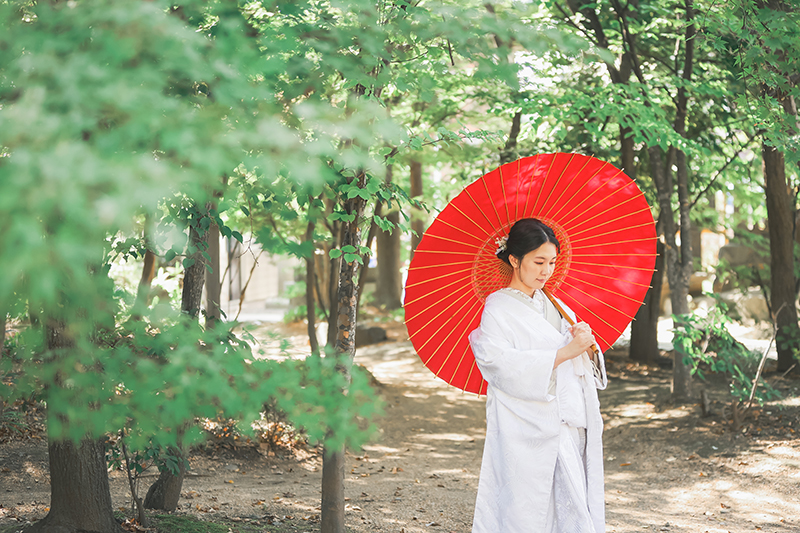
(520,373)
(595,369)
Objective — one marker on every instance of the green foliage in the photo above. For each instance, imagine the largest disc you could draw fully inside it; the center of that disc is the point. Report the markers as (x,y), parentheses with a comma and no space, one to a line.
(707,344)
(188,524)
(124,125)
(113,113)
(766,41)
(11,423)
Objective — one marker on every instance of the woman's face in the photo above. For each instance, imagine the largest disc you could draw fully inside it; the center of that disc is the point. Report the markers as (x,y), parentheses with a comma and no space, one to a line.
(534,269)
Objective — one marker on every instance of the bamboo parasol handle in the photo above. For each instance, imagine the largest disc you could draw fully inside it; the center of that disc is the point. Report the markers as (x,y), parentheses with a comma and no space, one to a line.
(595,350)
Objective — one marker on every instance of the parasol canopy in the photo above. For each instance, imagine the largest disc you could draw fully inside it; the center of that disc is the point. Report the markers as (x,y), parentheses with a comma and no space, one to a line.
(608,250)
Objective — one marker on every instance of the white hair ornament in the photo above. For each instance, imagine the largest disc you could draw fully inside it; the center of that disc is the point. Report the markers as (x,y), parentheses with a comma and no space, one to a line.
(502,244)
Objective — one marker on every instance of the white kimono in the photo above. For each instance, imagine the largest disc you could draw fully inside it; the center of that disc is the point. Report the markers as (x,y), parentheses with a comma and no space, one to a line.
(534,476)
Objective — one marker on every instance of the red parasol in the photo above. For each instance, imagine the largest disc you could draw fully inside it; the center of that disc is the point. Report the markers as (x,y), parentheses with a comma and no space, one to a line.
(608,250)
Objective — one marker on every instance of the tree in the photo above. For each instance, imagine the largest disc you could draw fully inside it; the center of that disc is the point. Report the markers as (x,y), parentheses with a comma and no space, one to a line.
(106,111)
(389,284)
(766,34)
(659,68)
(383,52)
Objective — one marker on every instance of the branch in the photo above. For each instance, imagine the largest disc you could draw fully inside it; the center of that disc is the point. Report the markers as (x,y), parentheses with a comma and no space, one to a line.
(244,289)
(763,361)
(580,29)
(719,172)
(627,39)
(143,522)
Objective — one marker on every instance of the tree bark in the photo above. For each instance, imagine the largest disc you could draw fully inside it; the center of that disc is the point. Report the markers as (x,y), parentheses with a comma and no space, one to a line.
(146,281)
(335,266)
(311,310)
(681,268)
(213,281)
(679,259)
(3,318)
(644,329)
(166,491)
(417,220)
(627,152)
(678,281)
(80,499)
(389,285)
(781,250)
(509,151)
(371,236)
(332,520)
(194,276)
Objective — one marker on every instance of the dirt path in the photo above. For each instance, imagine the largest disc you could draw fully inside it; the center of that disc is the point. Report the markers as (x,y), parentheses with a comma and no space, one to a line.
(667,469)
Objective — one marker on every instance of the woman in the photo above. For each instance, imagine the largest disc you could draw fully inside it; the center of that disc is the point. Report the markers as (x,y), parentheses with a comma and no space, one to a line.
(542,467)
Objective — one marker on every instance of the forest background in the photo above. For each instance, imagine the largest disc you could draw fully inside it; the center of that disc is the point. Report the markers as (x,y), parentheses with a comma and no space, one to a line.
(143,132)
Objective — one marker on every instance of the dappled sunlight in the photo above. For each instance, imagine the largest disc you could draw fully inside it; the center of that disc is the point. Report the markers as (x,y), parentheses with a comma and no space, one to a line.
(667,468)
(698,506)
(373,448)
(455,437)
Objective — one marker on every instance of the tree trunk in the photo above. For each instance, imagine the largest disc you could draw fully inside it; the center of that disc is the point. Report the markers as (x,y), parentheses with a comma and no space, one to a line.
(362,275)
(682,268)
(3,317)
(311,310)
(146,281)
(194,276)
(679,260)
(213,281)
(417,215)
(627,152)
(333,459)
(333,468)
(80,500)
(335,266)
(781,250)
(644,329)
(509,151)
(676,273)
(166,491)
(389,284)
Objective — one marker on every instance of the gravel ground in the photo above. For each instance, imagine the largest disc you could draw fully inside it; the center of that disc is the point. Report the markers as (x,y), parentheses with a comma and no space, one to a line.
(667,468)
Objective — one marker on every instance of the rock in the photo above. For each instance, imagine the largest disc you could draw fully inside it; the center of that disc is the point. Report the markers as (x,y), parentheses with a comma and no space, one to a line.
(367,336)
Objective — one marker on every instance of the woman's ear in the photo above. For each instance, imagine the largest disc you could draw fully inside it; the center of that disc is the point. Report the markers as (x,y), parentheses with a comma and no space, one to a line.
(514,261)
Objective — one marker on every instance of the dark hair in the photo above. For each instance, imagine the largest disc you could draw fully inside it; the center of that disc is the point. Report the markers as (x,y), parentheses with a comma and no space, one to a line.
(526,235)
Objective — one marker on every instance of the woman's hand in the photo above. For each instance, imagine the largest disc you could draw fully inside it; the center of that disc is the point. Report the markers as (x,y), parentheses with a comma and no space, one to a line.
(582,340)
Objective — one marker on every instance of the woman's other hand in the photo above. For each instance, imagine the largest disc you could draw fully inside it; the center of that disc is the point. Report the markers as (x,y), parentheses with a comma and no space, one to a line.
(582,340)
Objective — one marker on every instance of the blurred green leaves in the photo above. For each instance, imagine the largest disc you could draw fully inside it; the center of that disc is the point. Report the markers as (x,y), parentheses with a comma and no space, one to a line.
(113,113)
